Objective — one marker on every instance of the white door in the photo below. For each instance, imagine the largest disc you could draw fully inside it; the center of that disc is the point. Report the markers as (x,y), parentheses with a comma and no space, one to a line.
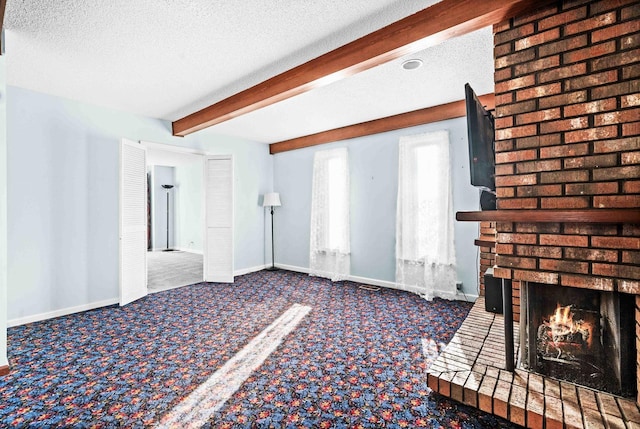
(133,221)
(218,236)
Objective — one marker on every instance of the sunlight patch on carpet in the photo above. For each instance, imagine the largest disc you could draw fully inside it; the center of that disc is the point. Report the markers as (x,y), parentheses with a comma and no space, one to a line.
(196,409)
(431,350)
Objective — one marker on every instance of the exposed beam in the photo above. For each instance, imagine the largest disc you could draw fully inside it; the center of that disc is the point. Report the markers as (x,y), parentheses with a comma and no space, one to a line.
(438,113)
(433,25)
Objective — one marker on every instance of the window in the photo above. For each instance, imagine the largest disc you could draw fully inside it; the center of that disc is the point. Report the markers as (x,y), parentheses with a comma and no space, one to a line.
(425,258)
(329,242)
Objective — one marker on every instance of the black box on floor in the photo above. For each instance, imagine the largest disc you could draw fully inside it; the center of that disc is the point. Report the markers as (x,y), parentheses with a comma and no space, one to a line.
(493,292)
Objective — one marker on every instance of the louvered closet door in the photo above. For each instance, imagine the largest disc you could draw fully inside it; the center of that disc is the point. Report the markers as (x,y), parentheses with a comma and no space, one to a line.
(133,221)
(218,249)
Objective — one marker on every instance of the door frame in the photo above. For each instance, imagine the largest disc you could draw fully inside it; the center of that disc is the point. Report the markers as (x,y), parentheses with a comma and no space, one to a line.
(204,155)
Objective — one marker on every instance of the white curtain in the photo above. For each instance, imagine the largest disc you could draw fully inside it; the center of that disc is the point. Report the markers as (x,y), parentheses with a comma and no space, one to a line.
(330,252)
(425,256)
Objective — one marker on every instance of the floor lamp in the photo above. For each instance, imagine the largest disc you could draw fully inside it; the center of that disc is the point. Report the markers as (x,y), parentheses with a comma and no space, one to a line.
(167,187)
(272,200)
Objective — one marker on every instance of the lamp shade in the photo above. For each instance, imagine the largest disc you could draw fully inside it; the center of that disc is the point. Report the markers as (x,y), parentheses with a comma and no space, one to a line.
(272,199)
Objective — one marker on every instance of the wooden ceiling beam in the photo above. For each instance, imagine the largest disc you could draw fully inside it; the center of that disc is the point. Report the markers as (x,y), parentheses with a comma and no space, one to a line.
(438,113)
(433,25)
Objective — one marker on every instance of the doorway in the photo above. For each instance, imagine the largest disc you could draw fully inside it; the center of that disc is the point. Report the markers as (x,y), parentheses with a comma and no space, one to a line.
(194,192)
(175,256)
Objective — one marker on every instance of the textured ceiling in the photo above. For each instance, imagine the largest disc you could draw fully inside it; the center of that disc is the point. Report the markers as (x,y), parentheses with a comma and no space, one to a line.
(168,58)
(376,93)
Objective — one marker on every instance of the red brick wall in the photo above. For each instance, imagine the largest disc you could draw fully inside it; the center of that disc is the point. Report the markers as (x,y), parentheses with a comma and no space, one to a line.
(567,84)
(487,253)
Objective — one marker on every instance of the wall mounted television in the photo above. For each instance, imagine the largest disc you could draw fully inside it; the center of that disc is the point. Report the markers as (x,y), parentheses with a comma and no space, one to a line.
(481,135)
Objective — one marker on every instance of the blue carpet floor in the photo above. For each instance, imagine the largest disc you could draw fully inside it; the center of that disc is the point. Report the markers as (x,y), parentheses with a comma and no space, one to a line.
(355,361)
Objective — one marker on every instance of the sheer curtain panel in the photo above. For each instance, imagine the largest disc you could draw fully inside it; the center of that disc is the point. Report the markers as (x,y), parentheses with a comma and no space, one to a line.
(425,255)
(330,252)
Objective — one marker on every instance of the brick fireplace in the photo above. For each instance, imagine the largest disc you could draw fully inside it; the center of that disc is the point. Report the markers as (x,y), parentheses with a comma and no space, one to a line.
(567,85)
(567,95)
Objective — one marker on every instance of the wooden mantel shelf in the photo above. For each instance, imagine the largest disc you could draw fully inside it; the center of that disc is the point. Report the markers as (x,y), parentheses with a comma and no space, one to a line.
(484,243)
(543,216)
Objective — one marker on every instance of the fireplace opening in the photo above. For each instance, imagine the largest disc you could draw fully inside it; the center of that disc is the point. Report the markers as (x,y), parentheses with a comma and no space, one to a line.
(579,335)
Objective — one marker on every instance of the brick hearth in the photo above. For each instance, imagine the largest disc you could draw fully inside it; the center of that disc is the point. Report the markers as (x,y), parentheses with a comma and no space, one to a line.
(471,370)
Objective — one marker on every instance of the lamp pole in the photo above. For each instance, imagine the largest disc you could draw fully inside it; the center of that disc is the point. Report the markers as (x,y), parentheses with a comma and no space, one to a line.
(273,252)
(272,200)
(167,187)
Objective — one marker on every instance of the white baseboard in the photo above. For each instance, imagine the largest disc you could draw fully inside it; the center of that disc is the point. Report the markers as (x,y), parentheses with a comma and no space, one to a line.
(467,297)
(244,271)
(373,282)
(62,312)
(293,268)
(357,279)
(184,249)
(179,249)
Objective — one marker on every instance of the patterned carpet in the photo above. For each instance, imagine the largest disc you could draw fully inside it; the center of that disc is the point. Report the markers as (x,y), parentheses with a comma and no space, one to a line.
(354,361)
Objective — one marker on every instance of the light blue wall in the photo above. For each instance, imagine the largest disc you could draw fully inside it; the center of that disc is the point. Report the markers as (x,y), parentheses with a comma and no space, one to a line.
(62,202)
(3,212)
(188,198)
(162,175)
(63,198)
(374,178)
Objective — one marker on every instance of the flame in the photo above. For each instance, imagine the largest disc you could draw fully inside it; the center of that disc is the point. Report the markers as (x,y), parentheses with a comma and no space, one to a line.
(562,323)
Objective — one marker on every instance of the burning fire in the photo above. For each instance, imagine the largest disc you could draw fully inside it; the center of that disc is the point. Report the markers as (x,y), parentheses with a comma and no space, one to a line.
(563,327)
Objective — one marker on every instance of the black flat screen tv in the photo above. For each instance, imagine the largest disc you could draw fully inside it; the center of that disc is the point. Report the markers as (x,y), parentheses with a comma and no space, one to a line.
(481,134)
